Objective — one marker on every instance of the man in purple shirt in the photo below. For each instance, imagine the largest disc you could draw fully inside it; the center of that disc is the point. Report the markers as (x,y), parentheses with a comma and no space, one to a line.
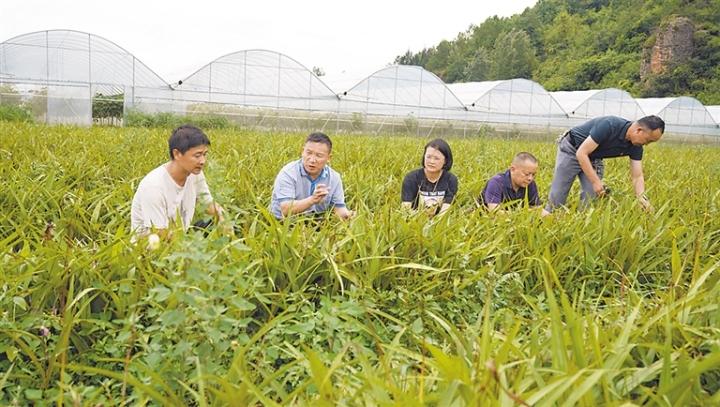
(513,187)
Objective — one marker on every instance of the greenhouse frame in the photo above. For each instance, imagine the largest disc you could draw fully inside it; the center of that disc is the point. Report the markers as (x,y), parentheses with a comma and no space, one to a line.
(514,101)
(70,77)
(587,104)
(714,112)
(684,115)
(59,72)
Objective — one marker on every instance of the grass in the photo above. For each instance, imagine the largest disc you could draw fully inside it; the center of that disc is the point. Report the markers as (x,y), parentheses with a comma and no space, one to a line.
(602,306)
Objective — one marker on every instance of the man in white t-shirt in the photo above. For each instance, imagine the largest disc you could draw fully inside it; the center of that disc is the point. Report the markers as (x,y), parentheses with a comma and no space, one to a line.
(166,197)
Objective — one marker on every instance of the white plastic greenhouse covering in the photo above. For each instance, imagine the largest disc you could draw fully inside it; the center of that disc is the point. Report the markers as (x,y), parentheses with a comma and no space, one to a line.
(403,91)
(59,74)
(258,78)
(64,69)
(587,104)
(681,115)
(513,101)
(714,112)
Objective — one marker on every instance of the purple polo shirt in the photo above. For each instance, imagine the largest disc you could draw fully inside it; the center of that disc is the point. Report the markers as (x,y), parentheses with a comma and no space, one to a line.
(499,190)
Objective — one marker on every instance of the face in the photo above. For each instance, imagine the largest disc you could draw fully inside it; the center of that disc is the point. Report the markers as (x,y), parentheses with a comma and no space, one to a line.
(314,157)
(523,174)
(640,136)
(434,159)
(193,160)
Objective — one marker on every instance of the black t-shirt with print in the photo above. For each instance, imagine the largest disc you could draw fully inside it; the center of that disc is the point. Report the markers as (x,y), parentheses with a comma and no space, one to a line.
(416,189)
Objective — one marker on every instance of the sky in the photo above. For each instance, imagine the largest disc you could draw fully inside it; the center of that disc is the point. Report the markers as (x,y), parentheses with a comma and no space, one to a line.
(347,39)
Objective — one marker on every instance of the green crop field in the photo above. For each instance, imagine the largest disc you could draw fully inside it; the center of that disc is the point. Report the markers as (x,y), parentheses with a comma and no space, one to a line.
(594,307)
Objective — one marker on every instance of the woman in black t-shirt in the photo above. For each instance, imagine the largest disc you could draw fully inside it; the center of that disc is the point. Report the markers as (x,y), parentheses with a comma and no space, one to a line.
(432,187)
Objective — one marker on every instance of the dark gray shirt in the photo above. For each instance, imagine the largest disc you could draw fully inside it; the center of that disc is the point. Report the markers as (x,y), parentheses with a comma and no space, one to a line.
(609,133)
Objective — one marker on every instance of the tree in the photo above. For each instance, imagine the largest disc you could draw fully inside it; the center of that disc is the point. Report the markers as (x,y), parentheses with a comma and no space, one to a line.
(438,60)
(582,44)
(479,68)
(419,59)
(514,56)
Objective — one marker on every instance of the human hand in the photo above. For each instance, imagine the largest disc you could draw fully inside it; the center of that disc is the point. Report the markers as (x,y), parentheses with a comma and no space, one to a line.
(344,213)
(599,189)
(321,191)
(218,211)
(645,203)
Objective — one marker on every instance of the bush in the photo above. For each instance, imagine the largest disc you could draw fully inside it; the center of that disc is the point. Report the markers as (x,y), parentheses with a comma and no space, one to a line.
(14,113)
(135,118)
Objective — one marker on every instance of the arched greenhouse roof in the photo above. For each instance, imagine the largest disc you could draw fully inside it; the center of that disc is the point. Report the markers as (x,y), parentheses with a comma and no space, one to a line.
(508,97)
(682,113)
(256,77)
(599,102)
(68,57)
(405,86)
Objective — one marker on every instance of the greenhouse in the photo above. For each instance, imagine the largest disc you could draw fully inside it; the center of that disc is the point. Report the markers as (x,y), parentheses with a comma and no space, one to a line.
(404,91)
(59,72)
(685,115)
(587,104)
(714,112)
(256,78)
(514,101)
(72,77)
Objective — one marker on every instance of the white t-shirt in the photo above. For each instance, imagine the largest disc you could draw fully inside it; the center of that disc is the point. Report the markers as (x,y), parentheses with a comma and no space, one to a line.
(159,200)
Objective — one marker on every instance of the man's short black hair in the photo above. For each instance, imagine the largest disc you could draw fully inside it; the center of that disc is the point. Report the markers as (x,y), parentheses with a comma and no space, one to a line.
(319,137)
(652,122)
(524,156)
(443,147)
(186,137)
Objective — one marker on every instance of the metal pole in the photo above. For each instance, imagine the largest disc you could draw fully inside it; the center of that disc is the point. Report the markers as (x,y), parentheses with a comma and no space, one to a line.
(47,77)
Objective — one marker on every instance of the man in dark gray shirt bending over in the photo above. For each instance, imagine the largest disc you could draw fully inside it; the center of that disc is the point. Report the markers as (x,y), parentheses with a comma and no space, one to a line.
(581,151)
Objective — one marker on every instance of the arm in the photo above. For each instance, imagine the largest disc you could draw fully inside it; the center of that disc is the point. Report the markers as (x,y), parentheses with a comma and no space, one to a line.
(638,182)
(583,157)
(204,195)
(343,212)
(409,191)
(216,210)
(443,208)
(450,193)
(533,195)
(155,216)
(492,194)
(338,202)
(293,207)
(284,194)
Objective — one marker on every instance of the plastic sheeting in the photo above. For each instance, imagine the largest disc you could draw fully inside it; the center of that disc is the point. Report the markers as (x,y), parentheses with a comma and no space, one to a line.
(681,114)
(514,101)
(599,102)
(59,73)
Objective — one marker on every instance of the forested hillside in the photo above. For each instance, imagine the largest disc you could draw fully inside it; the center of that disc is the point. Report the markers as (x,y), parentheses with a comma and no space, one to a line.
(648,48)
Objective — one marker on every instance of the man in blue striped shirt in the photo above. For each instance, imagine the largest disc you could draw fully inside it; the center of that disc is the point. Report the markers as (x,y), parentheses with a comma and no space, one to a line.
(309,185)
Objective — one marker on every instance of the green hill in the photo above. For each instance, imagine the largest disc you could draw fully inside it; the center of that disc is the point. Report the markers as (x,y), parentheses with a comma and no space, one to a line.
(648,48)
